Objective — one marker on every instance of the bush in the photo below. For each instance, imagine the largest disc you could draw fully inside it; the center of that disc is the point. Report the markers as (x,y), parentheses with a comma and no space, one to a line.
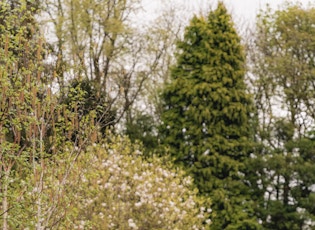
(119,189)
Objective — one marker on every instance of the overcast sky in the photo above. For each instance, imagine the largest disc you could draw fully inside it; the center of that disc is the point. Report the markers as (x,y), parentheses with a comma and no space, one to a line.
(247,9)
(242,10)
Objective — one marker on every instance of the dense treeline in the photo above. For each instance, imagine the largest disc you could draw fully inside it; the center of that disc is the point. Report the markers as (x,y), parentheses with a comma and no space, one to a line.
(108,125)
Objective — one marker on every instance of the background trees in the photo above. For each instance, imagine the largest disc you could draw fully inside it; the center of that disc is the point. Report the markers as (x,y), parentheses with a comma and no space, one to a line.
(99,71)
(283,67)
(207,116)
(98,41)
(46,122)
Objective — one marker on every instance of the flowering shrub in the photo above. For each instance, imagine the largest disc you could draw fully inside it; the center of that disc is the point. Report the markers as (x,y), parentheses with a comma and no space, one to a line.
(121,190)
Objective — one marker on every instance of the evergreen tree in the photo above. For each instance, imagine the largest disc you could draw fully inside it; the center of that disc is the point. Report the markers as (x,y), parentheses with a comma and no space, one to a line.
(207,117)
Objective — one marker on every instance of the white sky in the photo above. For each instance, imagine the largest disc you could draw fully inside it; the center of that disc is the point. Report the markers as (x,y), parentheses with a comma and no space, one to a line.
(242,10)
(248,9)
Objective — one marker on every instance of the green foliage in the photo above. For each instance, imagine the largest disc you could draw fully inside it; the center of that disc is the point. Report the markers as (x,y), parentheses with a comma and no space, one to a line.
(83,99)
(206,117)
(56,106)
(142,128)
(32,124)
(20,83)
(96,41)
(283,60)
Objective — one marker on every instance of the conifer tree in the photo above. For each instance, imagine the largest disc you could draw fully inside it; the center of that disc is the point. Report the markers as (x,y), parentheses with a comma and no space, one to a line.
(206,120)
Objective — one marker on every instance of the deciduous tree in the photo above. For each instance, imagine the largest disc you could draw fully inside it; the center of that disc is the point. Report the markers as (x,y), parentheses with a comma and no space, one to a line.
(31,126)
(282,58)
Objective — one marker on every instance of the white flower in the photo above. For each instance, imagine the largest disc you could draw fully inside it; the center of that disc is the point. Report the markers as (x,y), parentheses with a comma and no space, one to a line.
(123,187)
(108,185)
(208,221)
(138,204)
(136,177)
(132,224)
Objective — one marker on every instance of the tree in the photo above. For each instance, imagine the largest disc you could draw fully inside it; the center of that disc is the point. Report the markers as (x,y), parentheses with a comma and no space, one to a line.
(207,117)
(19,51)
(282,57)
(31,125)
(99,42)
(86,99)
(162,34)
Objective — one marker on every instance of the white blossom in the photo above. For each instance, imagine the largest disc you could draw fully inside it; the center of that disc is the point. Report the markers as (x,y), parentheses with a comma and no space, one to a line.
(126,187)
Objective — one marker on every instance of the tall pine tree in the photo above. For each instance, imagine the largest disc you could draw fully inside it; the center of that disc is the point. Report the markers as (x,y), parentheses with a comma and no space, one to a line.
(206,120)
